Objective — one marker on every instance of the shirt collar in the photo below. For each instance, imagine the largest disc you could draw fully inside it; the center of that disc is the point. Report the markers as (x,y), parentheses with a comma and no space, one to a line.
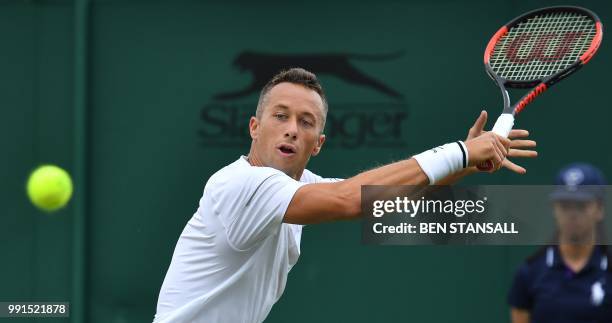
(597,260)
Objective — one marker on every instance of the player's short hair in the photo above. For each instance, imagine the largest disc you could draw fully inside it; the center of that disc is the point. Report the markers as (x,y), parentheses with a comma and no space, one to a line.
(294,75)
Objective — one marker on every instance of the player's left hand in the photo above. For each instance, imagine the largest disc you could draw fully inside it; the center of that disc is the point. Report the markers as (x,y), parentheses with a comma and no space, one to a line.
(518,147)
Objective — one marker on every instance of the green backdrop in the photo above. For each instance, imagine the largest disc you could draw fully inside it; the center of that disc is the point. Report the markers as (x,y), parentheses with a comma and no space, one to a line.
(145,124)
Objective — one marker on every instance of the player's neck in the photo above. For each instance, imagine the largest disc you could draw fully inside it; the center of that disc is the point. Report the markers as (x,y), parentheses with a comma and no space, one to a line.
(254,160)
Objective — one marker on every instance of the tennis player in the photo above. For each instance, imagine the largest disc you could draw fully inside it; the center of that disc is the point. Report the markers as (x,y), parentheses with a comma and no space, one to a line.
(232,259)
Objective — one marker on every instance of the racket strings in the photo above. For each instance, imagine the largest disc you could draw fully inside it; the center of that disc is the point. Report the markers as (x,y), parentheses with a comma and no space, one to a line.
(542,45)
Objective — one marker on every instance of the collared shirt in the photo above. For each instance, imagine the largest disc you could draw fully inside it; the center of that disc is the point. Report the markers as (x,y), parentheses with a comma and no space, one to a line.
(232,259)
(553,293)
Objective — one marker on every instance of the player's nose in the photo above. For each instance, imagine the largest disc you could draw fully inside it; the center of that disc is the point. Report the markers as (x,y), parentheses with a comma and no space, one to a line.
(291,129)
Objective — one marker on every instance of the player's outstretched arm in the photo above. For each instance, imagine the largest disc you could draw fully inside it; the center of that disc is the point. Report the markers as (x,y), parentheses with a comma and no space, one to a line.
(315,203)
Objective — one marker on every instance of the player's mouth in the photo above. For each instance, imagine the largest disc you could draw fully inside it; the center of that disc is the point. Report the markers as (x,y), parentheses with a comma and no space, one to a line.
(286,150)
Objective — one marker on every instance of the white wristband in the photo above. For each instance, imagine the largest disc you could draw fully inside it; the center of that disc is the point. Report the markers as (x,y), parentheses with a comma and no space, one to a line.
(442,161)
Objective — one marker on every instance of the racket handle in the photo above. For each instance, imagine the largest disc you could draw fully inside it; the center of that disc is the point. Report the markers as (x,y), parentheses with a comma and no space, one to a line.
(502,127)
(504,124)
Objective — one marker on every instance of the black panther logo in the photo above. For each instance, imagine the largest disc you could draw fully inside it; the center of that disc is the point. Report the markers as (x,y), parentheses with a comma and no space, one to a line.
(264,66)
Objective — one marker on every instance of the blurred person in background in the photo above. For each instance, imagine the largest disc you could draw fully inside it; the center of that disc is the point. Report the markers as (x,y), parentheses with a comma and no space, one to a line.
(571,280)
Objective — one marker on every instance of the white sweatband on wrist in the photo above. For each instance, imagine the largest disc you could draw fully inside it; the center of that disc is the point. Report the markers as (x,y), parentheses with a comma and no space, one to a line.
(442,161)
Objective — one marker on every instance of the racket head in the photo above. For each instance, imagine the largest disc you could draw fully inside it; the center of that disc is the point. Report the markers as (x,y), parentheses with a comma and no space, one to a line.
(543,46)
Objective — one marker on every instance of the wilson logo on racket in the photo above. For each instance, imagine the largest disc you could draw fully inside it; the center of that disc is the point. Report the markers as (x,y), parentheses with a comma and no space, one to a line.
(546,47)
(537,50)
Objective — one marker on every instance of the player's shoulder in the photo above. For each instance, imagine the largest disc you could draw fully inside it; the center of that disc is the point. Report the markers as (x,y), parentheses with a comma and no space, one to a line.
(240,172)
(312,178)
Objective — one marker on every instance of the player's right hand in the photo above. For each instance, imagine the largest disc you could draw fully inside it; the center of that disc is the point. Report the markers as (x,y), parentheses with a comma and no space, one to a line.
(487,146)
(520,147)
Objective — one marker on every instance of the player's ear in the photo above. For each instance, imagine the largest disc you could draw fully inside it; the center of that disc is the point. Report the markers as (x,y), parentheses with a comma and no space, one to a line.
(317,148)
(253,127)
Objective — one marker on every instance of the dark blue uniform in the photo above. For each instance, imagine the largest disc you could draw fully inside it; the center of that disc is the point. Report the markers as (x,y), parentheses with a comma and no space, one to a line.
(553,293)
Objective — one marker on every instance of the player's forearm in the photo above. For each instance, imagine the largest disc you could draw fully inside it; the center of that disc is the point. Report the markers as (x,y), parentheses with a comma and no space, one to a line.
(442,165)
(405,172)
(454,178)
(315,203)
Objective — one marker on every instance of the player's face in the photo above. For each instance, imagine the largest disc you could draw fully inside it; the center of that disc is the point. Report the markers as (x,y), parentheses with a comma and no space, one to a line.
(289,129)
(577,220)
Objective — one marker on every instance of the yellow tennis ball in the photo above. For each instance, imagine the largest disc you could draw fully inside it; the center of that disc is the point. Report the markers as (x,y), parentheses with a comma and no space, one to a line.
(49,187)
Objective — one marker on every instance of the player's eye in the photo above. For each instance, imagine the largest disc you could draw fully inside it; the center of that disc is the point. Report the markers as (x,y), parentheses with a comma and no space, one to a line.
(307,123)
(280,116)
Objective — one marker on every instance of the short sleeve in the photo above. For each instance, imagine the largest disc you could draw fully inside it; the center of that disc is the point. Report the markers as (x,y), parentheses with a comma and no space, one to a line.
(251,203)
(310,177)
(330,180)
(520,295)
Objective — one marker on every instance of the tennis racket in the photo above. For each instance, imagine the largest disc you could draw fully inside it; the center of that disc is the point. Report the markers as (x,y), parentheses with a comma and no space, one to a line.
(535,51)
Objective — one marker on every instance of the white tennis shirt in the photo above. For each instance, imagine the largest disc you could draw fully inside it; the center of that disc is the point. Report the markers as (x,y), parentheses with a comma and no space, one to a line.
(232,259)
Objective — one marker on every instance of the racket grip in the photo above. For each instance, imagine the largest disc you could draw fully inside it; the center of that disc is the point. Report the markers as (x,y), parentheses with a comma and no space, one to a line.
(502,127)
(504,124)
